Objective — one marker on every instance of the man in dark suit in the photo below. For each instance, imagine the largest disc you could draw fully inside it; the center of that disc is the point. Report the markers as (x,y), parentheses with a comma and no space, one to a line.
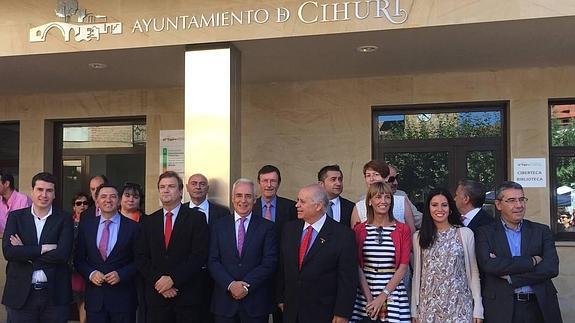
(273,207)
(318,264)
(243,260)
(37,245)
(104,256)
(171,249)
(331,179)
(198,187)
(469,198)
(519,260)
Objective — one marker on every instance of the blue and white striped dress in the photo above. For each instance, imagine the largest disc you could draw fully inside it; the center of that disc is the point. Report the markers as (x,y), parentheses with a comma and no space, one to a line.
(379,267)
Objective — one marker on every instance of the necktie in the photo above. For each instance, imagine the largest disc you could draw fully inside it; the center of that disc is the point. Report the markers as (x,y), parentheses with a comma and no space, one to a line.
(103,244)
(305,244)
(168,229)
(330,210)
(268,214)
(241,235)
(197,208)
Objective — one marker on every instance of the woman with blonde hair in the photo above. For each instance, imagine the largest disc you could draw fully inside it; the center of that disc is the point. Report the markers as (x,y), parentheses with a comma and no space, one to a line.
(384,245)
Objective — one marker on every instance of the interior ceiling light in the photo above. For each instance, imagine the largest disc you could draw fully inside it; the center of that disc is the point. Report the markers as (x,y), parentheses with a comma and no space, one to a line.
(367,49)
(97,66)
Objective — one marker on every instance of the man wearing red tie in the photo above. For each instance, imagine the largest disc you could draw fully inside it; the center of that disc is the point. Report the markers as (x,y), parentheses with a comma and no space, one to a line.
(171,248)
(318,263)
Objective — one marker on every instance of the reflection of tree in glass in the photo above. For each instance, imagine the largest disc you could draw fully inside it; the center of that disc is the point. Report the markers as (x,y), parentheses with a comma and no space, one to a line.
(565,171)
(419,173)
(562,134)
(481,168)
(446,125)
(66,9)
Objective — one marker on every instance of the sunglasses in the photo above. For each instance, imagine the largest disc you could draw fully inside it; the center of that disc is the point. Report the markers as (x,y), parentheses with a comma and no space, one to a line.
(80,203)
(379,231)
(392,179)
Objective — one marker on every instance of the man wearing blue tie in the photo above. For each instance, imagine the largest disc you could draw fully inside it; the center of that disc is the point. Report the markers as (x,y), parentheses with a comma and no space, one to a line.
(105,257)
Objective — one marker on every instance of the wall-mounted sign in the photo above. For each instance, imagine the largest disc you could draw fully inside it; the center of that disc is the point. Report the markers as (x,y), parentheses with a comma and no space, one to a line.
(90,26)
(530,172)
(172,155)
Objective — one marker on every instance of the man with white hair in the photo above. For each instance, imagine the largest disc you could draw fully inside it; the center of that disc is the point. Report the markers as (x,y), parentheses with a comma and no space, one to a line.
(318,272)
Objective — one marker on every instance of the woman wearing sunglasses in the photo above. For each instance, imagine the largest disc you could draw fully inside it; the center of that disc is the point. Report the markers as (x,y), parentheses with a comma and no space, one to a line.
(446,279)
(80,203)
(384,245)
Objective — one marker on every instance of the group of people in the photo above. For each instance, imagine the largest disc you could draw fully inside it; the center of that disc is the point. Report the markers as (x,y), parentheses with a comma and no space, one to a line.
(321,258)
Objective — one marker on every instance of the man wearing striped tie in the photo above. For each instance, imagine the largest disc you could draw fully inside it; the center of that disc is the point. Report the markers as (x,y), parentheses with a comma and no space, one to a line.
(243,260)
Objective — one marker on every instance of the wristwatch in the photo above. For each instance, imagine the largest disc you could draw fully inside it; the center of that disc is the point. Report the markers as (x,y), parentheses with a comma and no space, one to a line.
(386,291)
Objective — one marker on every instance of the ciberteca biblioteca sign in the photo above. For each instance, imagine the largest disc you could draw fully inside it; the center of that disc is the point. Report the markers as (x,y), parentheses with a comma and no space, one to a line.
(87,26)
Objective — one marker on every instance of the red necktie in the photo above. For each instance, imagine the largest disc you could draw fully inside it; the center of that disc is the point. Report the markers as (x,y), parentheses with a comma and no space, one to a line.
(304,244)
(168,229)
(103,244)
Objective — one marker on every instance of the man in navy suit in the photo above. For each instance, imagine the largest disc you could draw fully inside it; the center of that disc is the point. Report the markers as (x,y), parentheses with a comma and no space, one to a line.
(37,245)
(318,264)
(469,198)
(243,260)
(330,177)
(198,187)
(104,256)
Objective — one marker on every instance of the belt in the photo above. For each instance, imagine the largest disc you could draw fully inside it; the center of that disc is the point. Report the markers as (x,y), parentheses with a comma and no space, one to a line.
(524,297)
(39,286)
(379,270)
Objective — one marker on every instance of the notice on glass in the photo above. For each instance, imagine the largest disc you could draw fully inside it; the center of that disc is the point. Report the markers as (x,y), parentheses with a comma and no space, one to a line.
(530,172)
(172,151)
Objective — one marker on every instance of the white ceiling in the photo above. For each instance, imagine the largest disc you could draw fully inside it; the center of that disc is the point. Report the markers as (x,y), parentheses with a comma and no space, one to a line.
(526,43)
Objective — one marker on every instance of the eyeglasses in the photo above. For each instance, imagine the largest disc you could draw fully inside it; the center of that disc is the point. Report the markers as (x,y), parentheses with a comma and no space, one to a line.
(392,179)
(80,203)
(513,200)
(379,231)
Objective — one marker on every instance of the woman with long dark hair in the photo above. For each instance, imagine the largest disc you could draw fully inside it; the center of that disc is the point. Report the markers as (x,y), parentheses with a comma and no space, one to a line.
(445,282)
(384,245)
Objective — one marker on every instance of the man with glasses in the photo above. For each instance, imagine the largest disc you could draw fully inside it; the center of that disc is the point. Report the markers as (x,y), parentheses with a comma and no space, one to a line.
(519,260)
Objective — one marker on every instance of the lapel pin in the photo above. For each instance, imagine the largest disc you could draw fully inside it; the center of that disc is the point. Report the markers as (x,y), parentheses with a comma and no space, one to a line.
(322,240)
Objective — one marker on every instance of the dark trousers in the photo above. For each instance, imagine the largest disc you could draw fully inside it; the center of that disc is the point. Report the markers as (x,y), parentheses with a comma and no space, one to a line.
(278,315)
(241,317)
(173,314)
(39,309)
(527,311)
(110,317)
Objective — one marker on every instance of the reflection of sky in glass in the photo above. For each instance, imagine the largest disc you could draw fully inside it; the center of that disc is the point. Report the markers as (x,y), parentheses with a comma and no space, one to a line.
(392,117)
(490,117)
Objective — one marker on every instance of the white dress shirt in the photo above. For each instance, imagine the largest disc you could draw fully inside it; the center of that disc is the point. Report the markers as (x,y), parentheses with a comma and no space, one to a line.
(175,212)
(470,215)
(335,209)
(203,207)
(39,276)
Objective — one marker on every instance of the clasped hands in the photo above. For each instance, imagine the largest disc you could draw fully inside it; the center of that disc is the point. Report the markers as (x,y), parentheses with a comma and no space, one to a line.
(239,289)
(375,305)
(165,286)
(98,278)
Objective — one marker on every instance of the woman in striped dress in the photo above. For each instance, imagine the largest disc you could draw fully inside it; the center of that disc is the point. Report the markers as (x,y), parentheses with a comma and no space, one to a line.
(384,245)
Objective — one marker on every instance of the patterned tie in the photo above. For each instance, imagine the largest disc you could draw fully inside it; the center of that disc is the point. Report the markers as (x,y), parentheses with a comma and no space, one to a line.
(241,235)
(168,229)
(103,245)
(305,244)
(268,214)
(330,210)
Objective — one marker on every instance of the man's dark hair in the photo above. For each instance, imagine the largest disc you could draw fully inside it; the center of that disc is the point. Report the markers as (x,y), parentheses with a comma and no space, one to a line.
(475,190)
(5,176)
(102,176)
(322,174)
(105,186)
(506,186)
(269,169)
(378,166)
(173,174)
(44,176)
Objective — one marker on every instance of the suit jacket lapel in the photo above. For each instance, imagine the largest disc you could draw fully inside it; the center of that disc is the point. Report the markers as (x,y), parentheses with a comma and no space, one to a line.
(180,222)
(252,228)
(29,223)
(121,237)
(48,226)
(525,238)
(501,240)
(320,241)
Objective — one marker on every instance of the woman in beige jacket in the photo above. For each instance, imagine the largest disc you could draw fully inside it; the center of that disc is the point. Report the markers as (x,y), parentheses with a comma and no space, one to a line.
(445,286)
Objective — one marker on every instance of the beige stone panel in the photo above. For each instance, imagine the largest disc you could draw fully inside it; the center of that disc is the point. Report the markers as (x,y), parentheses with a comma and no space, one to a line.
(18,17)
(564,282)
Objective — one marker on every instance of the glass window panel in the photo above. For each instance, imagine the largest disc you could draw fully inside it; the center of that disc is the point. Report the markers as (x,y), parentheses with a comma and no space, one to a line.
(470,124)
(562,125)
(419,172)
(565,194)
(120,136)
(481,167)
